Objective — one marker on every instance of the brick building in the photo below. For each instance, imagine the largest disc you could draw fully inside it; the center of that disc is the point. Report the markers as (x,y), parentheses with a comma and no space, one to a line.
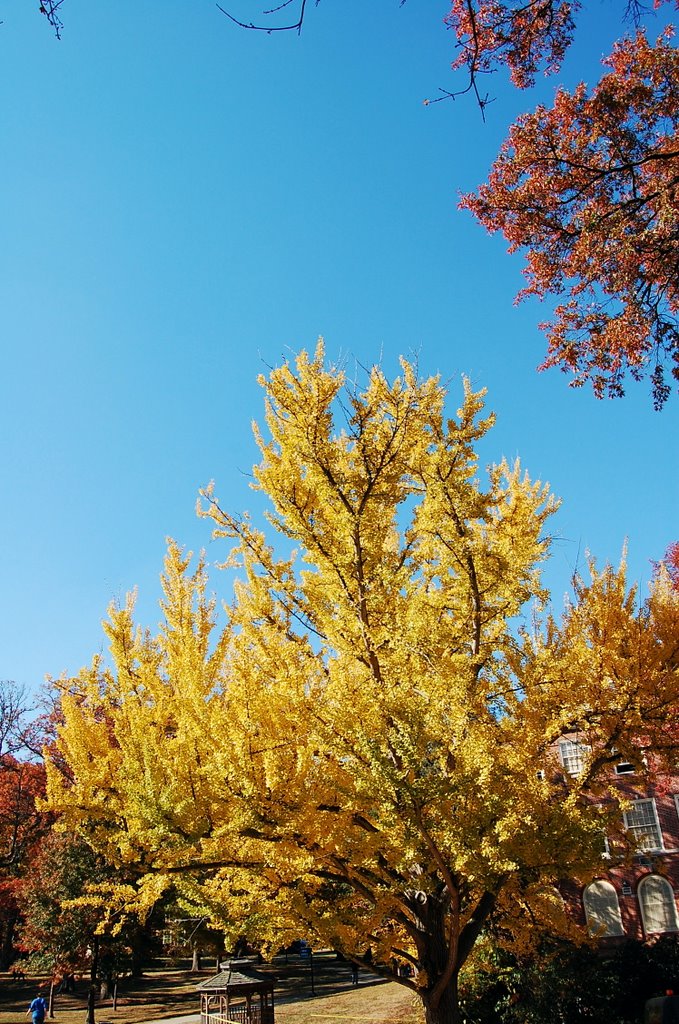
(636,896)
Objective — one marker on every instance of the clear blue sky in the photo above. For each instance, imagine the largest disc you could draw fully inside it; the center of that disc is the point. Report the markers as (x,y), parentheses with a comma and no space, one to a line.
(183,204)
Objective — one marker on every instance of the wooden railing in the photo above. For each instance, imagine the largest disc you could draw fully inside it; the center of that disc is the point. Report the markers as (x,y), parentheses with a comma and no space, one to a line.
(239,1015)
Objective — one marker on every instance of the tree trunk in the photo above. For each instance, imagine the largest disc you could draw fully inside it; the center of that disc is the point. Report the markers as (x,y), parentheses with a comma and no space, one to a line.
(434,960)
(50,1011)
(441,955)
(91,1000)
(448,1009)
(7,947)
(94,970)
(195,963)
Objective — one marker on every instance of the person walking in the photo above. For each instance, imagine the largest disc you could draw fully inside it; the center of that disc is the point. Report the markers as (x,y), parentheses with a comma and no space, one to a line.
(37,1010)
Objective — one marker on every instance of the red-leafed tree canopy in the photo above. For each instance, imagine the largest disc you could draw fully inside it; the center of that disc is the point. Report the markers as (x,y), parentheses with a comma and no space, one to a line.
(22,825)
(671,563)
(590,189)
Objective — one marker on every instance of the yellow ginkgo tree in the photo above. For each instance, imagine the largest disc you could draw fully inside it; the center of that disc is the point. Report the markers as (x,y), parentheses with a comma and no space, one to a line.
(365,753)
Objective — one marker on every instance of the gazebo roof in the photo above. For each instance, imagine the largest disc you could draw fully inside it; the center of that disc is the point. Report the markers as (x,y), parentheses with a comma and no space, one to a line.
(237,975)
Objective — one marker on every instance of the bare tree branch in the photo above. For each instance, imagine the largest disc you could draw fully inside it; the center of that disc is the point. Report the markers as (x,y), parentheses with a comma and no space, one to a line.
(292,27)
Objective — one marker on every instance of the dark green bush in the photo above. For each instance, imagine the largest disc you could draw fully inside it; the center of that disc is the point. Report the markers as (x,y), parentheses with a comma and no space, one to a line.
(566,984)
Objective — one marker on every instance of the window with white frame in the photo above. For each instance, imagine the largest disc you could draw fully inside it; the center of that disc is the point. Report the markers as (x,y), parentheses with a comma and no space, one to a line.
(602,910)
(641,821)
(573,755)
(658,905)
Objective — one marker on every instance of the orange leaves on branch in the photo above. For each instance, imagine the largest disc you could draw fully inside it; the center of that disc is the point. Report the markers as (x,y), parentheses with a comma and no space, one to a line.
(526,36)
(21,824)
(589,188)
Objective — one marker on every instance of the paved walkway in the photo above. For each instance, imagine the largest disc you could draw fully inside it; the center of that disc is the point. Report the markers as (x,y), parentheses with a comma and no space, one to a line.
(189,1018)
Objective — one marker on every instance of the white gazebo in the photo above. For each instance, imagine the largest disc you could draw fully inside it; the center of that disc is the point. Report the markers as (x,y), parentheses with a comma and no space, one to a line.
(238,993)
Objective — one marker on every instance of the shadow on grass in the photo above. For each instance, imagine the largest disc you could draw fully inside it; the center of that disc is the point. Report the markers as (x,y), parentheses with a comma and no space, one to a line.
(164,992)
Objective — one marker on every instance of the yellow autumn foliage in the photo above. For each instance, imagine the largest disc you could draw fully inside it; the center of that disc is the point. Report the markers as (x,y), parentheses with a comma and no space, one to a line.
(364,753)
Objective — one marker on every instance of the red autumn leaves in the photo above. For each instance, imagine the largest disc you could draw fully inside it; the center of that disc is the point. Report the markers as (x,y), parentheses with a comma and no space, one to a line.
(588,189)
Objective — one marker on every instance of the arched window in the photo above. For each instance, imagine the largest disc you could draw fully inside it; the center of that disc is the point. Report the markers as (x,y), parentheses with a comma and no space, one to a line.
(658,906)
(602,909)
